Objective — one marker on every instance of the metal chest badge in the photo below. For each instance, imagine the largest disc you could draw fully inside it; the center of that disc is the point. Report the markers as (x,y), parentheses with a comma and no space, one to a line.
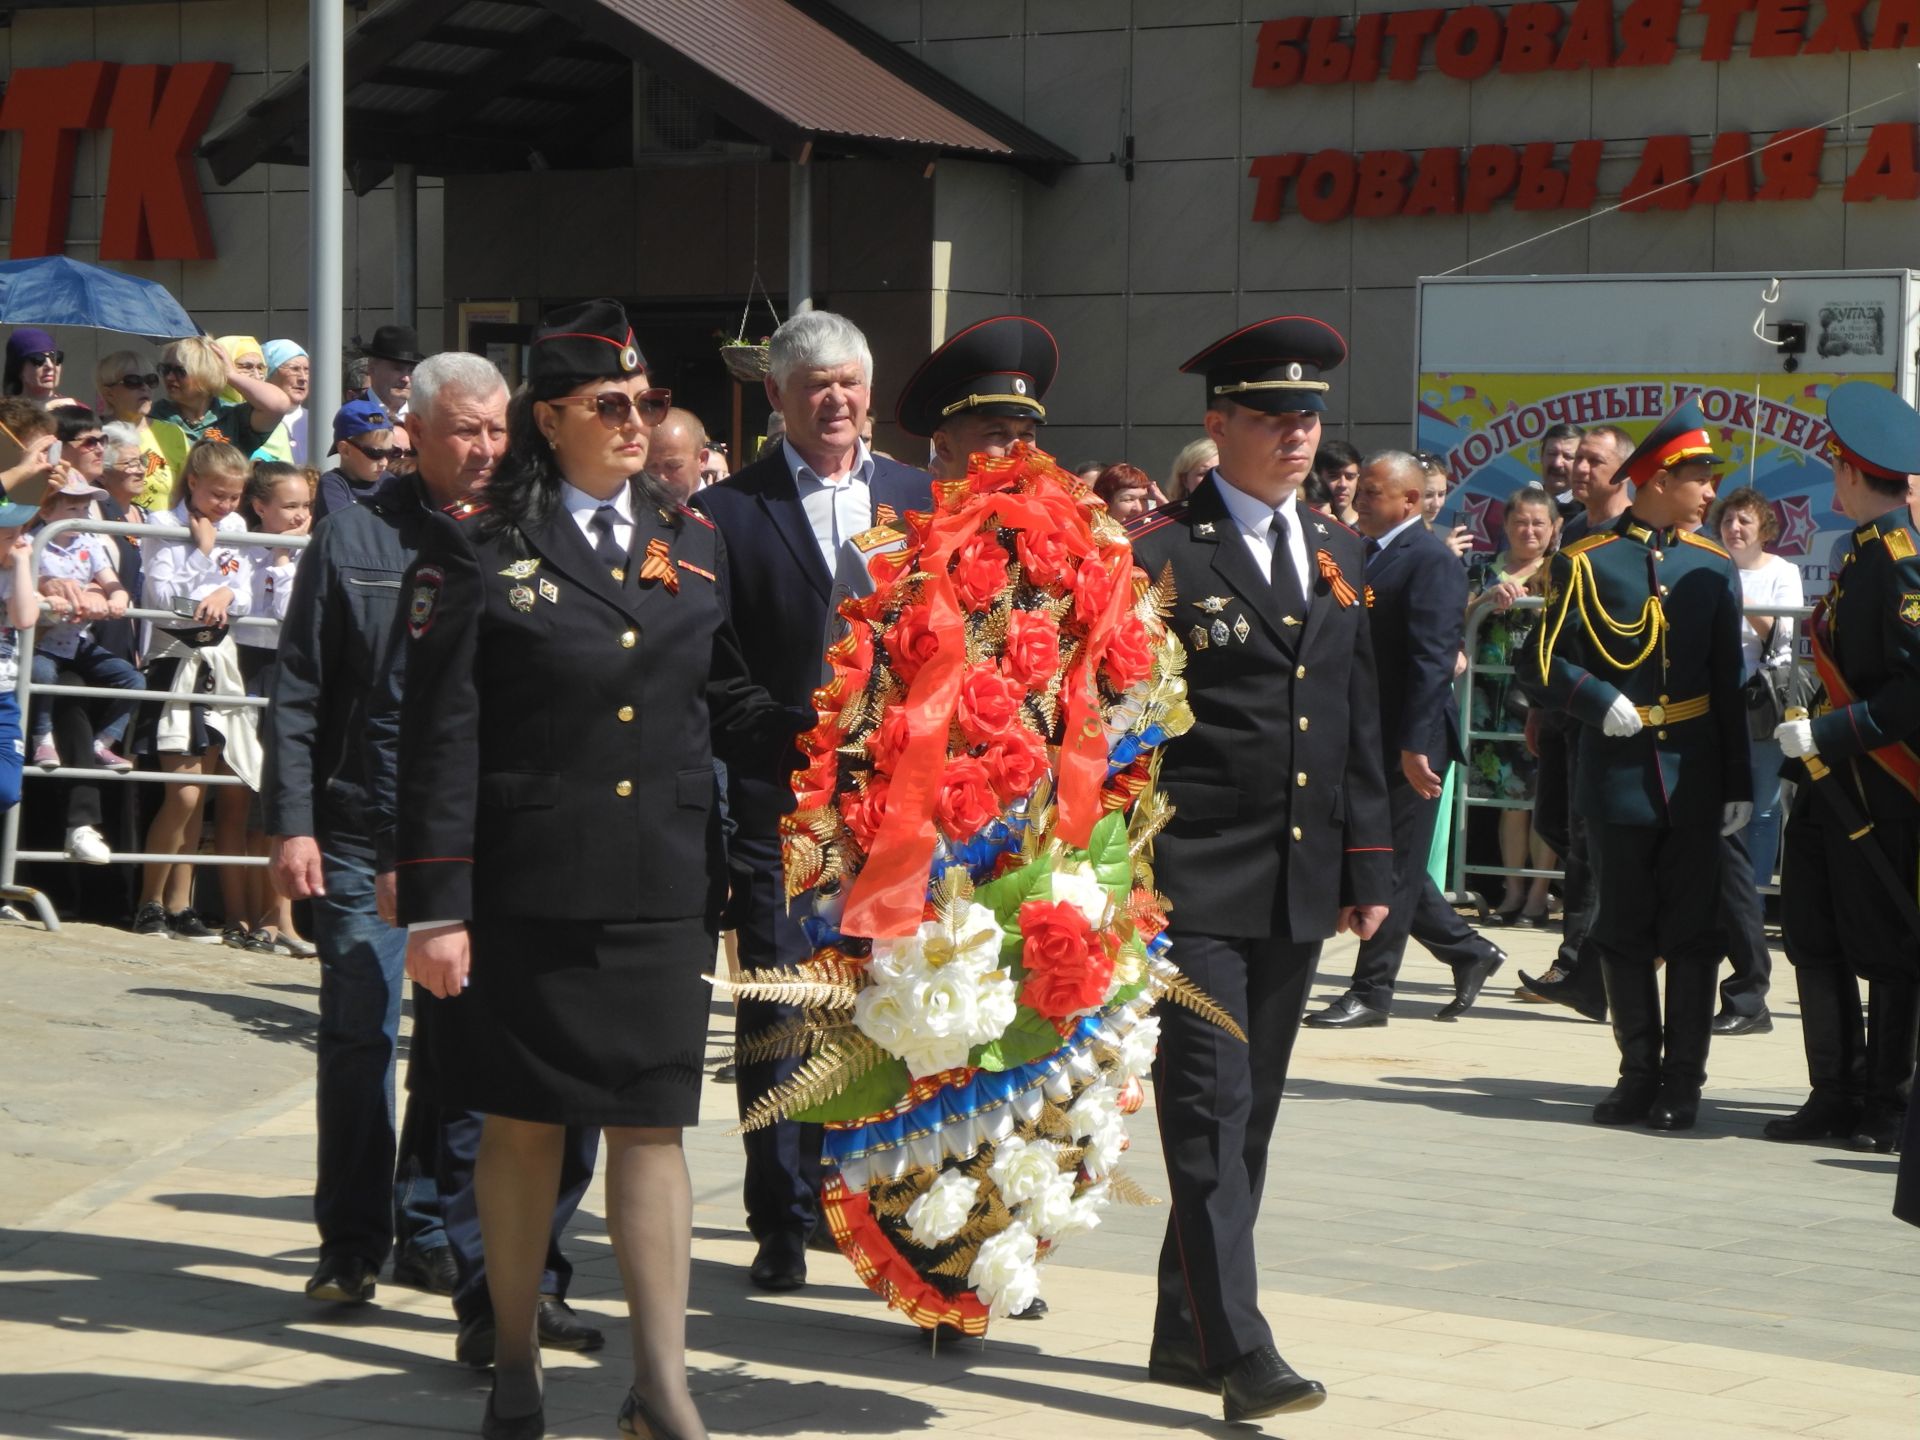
(1241,629)
(1197,637)
(1220,632)
(521,598)
(521,569)
(550,592)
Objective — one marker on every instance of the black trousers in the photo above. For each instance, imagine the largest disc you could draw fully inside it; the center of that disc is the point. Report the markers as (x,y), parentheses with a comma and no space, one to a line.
(1216,1100)
(1565,831)
(784,1175)
(1659,892)
(1744,991)
(459,1136)
(1418,908)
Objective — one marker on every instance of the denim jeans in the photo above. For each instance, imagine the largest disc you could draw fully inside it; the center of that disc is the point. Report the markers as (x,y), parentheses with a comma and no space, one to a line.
(13,752)
(362,1202)
(1763,831)
(91,664)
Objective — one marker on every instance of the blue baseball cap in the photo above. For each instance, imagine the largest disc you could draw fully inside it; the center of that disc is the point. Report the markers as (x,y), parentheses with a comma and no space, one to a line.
(359,417)
(13,516)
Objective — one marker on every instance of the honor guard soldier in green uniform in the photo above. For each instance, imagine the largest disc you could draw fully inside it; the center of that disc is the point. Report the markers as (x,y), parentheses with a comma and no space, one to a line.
(1640,644)
(1853,836)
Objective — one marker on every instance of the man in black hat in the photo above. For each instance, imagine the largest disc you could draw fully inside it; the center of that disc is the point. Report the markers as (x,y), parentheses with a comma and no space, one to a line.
(1854,831)
(391,356)
(785,520)
(1280,835)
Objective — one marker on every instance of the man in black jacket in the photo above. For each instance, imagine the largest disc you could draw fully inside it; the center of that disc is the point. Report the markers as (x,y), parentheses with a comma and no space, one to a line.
(325,808)
(1416,608)
(785,519)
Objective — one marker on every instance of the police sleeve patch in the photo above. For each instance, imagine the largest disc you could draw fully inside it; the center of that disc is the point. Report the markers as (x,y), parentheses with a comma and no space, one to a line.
(1910,607)
(427,581)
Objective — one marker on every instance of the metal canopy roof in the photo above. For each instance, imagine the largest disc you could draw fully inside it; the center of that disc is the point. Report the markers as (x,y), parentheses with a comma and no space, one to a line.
(474,86)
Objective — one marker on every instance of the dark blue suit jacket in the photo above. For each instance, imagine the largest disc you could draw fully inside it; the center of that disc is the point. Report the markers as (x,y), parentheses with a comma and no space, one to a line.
(779,596)
(1418,618)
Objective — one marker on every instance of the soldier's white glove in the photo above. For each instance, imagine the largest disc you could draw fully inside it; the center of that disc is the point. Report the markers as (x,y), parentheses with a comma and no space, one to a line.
(1621,719)
(1796,739)
(1734,815)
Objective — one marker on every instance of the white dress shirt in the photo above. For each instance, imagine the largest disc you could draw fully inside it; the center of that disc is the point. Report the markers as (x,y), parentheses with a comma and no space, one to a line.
(582,507)
(1374,547)
(1255,521)
(838,507)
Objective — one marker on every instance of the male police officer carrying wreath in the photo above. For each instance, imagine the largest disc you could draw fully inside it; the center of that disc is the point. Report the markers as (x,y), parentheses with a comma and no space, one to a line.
(1280,835)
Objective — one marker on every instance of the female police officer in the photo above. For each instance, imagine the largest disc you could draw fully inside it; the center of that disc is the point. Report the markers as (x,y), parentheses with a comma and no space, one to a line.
(572,665)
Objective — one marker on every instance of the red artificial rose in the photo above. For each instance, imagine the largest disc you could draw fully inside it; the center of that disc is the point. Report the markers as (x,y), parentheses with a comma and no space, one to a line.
(1033,648)
(979,571)
(989,704)
(1129,656)
(888,742)
(1045,556)
(965,802)
(1093,586)
(864,811)
(1016,762)
(1067,963)
(911,642)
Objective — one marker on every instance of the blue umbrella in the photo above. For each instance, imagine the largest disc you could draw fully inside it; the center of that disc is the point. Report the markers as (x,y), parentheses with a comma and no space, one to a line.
(54,290)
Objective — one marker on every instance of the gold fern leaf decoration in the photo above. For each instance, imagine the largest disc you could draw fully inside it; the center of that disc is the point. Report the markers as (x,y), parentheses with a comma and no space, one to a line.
(836,1066)
(1169,983)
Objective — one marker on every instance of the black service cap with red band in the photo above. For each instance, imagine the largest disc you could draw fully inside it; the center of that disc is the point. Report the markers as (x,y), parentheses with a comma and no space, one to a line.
(1003,366)
(1273,365)
(1874,430)
(589,341)
(1680,439)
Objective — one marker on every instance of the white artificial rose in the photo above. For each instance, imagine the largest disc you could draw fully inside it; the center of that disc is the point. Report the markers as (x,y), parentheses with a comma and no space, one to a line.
(1097,1105)
(1050,1213)
(1079,887)
(1023,1168)
(1102,1149)
(888,1014)
(1004,1274)
(1084,1214)
(936,1217)
(1138,1046)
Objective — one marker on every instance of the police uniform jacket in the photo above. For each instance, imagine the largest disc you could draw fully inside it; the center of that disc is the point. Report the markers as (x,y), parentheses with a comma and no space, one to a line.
(779,589)
(1869,624)
(557,728)
(1655,616)
(1280,808)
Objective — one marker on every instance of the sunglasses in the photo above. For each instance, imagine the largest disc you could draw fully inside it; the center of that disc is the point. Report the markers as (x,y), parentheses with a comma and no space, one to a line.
(173,372)
(91,442)
(614,406)
(379,456)
(45,357)
(139,382)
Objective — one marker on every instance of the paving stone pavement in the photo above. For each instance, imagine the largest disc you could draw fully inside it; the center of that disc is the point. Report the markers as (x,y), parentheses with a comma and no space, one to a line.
(1446,1241)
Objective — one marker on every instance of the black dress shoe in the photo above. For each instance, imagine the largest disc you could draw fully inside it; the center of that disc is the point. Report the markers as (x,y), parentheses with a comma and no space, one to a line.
(1727,1023)
(496,1426)
(1823,1117)
(430,1270)
(1676,1107)
(1877,1131)
(1260,1383)
(781,1264)
(1179,1365)
(343,1280)
(727,1074)
(1626,1103)
(560,1329)
(1349,1012)
(1467,982)
(473,1347)
(1586,998)
(1036,1310)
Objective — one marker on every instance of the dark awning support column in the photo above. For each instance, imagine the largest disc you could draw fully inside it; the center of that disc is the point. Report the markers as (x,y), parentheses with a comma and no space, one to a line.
(800,232)
(406,247)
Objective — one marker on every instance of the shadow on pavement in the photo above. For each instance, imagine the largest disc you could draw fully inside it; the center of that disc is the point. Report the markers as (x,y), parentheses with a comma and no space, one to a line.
(269,1019)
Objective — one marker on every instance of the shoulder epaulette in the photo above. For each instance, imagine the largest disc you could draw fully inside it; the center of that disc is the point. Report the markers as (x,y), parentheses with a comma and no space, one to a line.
(1687,537)
(697,515)
(1590,542)
(1154,519)
(1899,543)
(1335,520)
(870,540)
(464,509)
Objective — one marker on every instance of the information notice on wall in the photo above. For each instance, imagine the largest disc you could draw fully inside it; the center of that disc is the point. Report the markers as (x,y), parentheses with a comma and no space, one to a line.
(1771,428)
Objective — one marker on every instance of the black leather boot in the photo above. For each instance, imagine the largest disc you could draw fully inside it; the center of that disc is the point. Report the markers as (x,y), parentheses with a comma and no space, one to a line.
(1633,998)
(1692,988)
(1892,1020)
(1835,1042)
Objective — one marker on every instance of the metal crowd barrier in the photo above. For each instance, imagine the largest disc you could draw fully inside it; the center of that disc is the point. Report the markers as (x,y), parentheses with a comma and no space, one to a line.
(24,689)
(1463,797)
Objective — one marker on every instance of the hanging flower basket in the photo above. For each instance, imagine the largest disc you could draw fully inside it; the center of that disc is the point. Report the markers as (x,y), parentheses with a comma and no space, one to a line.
(746,363)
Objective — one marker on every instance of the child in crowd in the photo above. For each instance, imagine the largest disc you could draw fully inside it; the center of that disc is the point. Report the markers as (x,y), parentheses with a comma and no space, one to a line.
(22,604)
(279,501)
(29,450)
(81,567)
(204,581)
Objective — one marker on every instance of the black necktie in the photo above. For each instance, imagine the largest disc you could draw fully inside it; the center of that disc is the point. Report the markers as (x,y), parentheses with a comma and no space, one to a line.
(1286,579)
(605,548)
(1373,549)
